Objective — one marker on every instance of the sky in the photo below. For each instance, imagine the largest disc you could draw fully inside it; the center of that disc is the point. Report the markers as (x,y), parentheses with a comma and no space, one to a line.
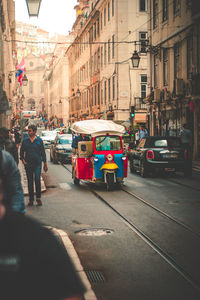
(54,16)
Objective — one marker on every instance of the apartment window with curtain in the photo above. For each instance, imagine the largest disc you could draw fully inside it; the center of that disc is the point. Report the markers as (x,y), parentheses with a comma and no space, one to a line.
(190,56)
(155,67)
(113,8)
(143,39)
(105,16)
(165,67)
(177,60)
(164,10)
(143,5)
(113,87)
(143,86)
(113,46)
(108,11)
(176,7)
(155,14)
(105,91)
(109,50)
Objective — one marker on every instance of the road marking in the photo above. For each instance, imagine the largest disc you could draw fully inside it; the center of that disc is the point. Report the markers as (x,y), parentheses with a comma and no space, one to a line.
(65,186)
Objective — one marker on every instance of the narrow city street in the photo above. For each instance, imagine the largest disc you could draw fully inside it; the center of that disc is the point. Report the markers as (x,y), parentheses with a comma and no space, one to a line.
(138,242)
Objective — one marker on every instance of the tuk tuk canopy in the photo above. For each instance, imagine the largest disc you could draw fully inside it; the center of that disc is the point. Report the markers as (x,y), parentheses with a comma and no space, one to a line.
(97,127)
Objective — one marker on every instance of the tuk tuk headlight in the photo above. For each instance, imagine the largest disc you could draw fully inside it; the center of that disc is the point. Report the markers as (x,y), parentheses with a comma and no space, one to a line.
(109,157)
(123,157)
(96,159)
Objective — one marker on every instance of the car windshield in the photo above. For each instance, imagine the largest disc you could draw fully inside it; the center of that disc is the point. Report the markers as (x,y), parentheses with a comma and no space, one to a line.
(164,143)
(65,141)
(104,143)
(47,133)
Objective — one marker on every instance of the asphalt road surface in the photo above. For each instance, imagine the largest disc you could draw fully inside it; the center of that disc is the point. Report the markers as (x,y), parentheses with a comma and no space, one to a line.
(136,243)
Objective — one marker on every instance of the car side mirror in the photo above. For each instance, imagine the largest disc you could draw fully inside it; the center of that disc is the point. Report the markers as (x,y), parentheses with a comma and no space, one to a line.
(83,147)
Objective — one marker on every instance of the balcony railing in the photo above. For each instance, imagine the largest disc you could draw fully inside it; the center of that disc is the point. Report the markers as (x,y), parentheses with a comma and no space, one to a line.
(139,104)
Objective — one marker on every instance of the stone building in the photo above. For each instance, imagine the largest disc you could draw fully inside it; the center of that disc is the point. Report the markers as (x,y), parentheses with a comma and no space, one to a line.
(174,32)
(103,83)
(8,60)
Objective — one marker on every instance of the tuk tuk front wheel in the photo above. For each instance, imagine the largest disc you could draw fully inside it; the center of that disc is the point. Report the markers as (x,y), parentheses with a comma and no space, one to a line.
(110,181)
(76,181)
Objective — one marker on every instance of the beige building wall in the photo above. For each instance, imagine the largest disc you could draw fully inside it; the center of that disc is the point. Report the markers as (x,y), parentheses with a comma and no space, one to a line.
(100,59)
(175,68)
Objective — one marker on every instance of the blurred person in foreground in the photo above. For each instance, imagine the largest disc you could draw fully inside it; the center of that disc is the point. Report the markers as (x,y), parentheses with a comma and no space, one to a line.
(32,154)
(34,264)
(12,181)
(8,144)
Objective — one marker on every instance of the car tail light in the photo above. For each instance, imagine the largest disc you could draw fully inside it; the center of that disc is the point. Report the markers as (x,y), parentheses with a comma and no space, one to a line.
(150,154)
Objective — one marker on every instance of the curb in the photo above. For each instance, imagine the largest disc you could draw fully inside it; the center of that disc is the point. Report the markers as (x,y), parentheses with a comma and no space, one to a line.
(89,294)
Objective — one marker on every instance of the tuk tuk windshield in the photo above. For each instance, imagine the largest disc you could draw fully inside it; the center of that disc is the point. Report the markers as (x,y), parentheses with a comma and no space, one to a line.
(108,142)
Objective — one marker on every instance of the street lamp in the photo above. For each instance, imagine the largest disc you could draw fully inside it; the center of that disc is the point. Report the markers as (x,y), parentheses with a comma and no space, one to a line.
(78,93)
(135,59)
(33,7)
(24,80)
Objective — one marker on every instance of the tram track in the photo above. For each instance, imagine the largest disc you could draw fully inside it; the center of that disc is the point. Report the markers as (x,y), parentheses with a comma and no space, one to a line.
(146,238)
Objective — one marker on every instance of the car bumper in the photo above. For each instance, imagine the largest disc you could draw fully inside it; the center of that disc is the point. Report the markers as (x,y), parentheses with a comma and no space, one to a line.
(64,156)
(177,165)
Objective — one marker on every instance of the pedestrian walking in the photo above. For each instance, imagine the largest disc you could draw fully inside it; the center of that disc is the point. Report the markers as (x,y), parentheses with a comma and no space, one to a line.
(186,137)
(142,133)
(32,154)
(34,264)
(12,181)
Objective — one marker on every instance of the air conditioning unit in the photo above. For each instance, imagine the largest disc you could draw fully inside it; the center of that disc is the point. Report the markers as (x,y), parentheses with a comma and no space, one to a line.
(179,85)
(156,94)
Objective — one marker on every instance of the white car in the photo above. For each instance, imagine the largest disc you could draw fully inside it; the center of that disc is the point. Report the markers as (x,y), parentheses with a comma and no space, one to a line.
(47,137)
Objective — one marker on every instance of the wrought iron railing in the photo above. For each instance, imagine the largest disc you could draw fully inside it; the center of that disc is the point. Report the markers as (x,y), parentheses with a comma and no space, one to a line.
(139,103)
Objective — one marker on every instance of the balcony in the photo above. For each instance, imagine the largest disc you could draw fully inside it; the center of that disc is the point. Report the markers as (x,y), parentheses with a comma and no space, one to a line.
(139,104)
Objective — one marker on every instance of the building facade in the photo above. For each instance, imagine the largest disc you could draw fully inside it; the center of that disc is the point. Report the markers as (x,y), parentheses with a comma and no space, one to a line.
(103,83)
(8,60)
(175,67)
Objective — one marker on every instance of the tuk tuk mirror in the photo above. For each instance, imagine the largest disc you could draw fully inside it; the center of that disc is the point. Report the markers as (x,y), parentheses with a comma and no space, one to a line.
(83,147)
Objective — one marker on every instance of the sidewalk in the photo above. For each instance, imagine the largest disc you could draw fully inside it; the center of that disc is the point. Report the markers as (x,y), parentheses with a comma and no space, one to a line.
(196,165)
(24,179)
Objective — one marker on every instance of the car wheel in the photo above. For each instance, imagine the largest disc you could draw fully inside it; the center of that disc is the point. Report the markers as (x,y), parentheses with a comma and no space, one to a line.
(143,170)
(132,169)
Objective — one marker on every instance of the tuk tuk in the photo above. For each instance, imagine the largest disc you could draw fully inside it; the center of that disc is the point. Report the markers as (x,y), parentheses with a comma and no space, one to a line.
(100,159)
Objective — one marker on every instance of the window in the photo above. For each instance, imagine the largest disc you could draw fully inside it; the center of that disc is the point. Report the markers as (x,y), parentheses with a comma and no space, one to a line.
(98,26)
(109,50)
(30,86)
(98,59)
(105,16)
(155,14)
(156,60)
(113,46)
(109,90)
(101,21)
(165,10)
(95,31)
(143,85)
(143,5)
(113,7)
(111,142)
(165,67)
(177,60)
(108,11)
(105,91)
(101,57)
(42,87)
(105,54)
(31,64)
(176,7)
(98,94)
(95,95)
(101,93)
(143,41)
(190,63)
(113,87)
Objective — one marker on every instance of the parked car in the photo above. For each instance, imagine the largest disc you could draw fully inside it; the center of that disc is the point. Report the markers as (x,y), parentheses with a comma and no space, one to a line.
(47,137)
(155,153)
(61,148)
